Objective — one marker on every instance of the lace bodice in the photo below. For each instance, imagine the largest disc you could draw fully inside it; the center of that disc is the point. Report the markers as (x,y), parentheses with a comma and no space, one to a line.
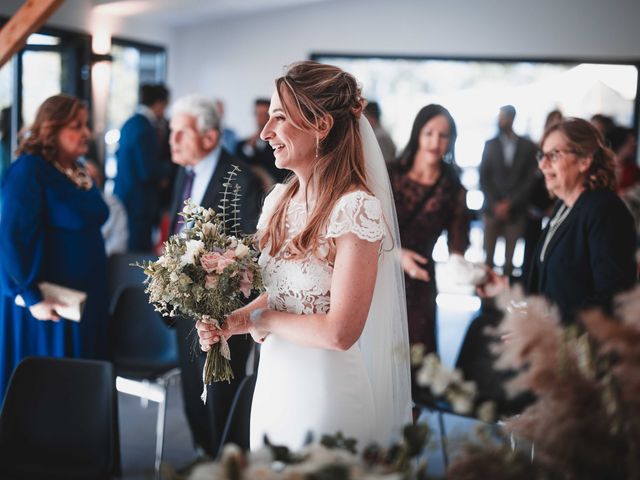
(303,285)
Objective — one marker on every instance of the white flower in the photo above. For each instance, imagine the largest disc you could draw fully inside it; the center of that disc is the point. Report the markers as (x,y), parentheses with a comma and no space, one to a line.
(194,247)
(189,207)
(241,250)
(232,242)
(440,382)
(487,412)
(209,229)
(208,214)
(461,403)
(417,353)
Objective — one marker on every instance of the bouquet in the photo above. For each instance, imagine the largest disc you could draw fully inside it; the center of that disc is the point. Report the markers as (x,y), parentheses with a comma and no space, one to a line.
(207,271)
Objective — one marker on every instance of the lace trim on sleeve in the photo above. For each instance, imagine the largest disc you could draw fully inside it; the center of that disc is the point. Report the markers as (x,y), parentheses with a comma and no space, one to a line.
(360,213)
(269,205)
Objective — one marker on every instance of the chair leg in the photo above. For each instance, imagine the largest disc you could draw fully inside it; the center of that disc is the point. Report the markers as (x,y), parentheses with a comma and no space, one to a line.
(162,410)
(444,444)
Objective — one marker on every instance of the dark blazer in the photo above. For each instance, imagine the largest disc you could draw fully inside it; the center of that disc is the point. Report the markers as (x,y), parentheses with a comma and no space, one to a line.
(514,182)
(250,191)
(207,421)
(139,170)
(590,258)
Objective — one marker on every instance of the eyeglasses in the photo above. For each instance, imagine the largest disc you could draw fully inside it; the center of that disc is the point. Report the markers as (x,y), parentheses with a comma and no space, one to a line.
(553,156)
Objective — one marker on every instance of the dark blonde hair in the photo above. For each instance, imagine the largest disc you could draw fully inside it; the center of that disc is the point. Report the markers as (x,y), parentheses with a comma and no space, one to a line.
(52,116)
(586,141)
(312,91)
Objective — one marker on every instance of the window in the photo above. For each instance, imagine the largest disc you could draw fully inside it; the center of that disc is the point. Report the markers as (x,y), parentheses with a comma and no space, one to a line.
(474,90)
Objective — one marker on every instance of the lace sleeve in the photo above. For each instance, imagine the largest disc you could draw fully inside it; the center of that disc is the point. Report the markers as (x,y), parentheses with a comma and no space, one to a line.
(357,212)
(269,205)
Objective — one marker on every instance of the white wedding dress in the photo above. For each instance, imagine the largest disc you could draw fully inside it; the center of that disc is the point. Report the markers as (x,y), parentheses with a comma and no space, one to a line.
(302,390)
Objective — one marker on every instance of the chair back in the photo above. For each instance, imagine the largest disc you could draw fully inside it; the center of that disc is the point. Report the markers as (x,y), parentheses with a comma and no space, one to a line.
(60,421)
(120,273)
(143,345)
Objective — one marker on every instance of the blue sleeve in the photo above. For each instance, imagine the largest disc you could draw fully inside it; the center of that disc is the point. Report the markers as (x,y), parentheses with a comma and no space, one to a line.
(146,154)
(22,228)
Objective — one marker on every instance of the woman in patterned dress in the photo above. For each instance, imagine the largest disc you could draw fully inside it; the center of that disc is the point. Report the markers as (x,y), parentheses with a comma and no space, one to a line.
(429,199)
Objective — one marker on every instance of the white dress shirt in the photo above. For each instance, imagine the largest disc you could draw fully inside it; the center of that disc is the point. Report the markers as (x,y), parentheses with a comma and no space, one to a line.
(203,172)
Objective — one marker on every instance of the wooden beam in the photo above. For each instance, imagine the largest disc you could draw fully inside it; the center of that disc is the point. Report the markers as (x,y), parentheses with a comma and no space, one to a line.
(28,19)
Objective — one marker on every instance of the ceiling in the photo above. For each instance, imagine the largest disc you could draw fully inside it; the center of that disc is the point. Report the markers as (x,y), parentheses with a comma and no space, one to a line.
(183,12)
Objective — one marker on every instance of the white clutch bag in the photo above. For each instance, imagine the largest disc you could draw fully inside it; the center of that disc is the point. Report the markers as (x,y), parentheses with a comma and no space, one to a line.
(73,300)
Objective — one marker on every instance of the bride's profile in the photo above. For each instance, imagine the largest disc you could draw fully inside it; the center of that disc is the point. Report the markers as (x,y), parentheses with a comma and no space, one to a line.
(332,323)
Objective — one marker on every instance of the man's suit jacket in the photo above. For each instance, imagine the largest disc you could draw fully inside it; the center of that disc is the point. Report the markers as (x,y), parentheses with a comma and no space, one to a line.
(514,182)
(590,258)
(207,421)
(250,192)
(139,168)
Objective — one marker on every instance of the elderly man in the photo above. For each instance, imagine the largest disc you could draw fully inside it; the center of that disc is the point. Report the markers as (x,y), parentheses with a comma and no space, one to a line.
(204,164)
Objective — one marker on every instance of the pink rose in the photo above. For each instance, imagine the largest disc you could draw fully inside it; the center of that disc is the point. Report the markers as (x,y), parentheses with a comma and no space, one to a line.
(246,282)
(211,282)
(224,262)
(209,261)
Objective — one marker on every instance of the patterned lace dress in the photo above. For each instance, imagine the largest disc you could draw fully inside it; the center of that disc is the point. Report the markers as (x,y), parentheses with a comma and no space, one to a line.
(444,209)
(303,390)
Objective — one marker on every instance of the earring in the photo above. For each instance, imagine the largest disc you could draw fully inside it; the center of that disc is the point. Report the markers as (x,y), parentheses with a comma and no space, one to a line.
(317,146)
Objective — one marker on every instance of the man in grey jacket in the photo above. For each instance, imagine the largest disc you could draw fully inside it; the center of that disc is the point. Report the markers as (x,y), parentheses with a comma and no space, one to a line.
(507,176)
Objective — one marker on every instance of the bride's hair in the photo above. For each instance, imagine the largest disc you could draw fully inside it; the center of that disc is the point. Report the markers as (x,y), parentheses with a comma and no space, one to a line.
(309,92)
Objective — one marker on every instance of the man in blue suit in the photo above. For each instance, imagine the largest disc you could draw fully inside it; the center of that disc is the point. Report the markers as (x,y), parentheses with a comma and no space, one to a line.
(139,166)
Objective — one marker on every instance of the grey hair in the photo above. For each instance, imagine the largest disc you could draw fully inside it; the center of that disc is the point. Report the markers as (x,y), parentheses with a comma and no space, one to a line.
(200,107)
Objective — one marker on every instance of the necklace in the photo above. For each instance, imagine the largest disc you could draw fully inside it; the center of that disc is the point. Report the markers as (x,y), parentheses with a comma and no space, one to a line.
(78,175)
(560,216)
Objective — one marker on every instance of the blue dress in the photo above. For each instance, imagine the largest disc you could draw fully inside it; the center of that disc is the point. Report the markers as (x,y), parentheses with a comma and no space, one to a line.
(49,231)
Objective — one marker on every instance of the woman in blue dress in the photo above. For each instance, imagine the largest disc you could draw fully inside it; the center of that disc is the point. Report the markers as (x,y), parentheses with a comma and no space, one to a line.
(50,231)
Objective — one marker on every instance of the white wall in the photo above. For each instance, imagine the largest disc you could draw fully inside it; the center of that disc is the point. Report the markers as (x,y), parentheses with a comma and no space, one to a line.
(238,59)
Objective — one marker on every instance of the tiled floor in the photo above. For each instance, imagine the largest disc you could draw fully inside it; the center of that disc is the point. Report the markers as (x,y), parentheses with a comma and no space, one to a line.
(138,435)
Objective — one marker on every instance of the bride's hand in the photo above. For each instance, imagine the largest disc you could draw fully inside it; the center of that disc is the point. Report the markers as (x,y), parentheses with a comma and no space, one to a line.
(235,324)
(256,325)
(208,335)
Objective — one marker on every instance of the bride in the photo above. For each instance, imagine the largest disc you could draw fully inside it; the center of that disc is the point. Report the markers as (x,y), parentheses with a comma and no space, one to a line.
(332,323)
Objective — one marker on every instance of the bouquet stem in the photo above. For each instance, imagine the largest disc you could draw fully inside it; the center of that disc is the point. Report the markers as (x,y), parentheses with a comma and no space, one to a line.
(217,368)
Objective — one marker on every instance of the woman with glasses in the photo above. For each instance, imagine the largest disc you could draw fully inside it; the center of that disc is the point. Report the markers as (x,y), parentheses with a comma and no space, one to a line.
(585,255)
